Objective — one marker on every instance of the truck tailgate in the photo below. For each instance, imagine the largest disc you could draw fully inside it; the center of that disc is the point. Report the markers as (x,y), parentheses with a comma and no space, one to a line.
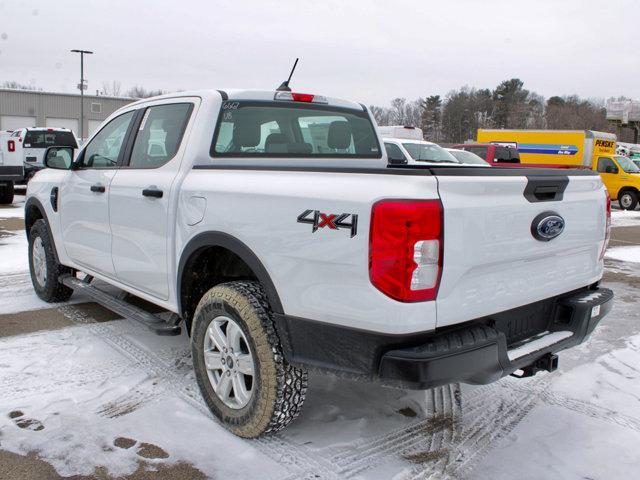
(493,262)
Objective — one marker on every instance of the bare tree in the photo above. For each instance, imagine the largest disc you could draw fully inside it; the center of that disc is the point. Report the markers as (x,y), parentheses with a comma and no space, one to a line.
(141,92)
(112,88)
(17,85)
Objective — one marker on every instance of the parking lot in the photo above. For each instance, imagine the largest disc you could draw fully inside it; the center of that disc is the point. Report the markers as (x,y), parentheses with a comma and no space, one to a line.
(88,395)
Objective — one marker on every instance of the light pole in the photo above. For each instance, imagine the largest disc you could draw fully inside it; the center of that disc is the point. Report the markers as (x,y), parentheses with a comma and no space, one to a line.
(82,87)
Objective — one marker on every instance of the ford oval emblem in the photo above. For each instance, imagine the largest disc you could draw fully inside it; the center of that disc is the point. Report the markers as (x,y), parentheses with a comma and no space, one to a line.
(547,226)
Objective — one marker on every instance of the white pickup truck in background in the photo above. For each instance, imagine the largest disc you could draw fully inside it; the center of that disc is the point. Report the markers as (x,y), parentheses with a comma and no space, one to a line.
(11,166)
(270,224)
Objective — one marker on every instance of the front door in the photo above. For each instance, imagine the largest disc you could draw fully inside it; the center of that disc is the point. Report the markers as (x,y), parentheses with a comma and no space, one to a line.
(141,196)
(610,174)
(84,198)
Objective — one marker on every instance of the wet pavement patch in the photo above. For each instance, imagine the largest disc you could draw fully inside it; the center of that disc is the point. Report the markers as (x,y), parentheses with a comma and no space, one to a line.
(151,451)
(11,224)
(407,412)
(124,442)
(53,318)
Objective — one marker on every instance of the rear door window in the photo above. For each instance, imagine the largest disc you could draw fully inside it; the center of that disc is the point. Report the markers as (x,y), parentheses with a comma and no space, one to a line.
(480,151)
(394,152)
(274,129)
(502,154)
(159,135)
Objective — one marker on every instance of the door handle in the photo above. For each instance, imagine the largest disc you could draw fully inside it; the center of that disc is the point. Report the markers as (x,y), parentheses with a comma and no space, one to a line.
(152,192)
(98,188)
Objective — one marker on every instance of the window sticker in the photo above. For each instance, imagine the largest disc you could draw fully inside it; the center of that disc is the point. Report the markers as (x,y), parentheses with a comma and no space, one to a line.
(144,119)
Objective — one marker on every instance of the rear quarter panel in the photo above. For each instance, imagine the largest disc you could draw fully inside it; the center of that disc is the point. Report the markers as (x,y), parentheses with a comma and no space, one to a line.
(321,275)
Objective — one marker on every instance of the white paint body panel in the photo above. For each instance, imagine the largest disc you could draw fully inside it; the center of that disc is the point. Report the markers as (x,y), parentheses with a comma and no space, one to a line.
(491,261)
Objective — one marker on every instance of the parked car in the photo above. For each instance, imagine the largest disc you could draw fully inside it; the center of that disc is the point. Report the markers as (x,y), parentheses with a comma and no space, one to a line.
(416,152)
(466,157)
(493,154)
(11,167)
(32,142)
(278,235)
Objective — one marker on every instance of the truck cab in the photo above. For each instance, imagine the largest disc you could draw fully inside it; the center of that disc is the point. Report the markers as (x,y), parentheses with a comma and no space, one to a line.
(621,176)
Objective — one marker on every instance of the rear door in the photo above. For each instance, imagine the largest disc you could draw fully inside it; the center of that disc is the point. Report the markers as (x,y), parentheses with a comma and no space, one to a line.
(492,259)
(142,194)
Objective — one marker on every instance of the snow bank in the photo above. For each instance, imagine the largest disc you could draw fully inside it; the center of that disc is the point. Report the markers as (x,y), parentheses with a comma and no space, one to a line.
(625,218)
(624,254)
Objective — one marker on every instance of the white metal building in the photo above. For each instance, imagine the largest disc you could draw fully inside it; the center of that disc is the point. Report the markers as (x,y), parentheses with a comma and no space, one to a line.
(27,108)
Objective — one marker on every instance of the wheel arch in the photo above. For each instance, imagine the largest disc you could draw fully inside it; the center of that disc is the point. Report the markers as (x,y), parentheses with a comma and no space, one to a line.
(216,242)
(34,211)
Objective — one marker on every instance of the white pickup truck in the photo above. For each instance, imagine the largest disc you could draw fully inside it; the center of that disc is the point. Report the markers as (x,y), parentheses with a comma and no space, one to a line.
(11,166)
(270,224)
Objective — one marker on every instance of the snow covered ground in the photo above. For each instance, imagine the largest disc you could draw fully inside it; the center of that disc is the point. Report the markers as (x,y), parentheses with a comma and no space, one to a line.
(113,394)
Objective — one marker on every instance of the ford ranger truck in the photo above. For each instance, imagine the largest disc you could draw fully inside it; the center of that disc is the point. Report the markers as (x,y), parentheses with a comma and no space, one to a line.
(271,226)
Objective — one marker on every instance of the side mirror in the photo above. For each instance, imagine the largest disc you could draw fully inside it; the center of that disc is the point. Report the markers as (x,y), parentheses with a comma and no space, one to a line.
(610,169)
(60,158)
(397,161)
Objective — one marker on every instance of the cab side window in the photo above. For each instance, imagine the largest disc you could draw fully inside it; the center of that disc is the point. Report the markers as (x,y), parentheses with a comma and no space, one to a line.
(606,165)
(159,135)
(104,149)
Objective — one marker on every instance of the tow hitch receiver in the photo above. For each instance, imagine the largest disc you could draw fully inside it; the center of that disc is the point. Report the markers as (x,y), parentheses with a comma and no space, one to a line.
(548,362)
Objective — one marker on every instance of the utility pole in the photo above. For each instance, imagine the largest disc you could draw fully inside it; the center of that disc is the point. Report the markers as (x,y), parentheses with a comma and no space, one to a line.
(82,88)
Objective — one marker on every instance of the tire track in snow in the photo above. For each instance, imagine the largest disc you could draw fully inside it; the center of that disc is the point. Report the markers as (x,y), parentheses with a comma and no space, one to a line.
(300,463)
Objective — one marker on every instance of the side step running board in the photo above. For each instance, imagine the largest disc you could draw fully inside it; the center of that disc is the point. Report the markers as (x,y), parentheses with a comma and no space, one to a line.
(121,307)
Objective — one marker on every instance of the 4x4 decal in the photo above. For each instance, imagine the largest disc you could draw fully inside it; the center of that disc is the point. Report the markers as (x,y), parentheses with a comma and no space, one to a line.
(331,220)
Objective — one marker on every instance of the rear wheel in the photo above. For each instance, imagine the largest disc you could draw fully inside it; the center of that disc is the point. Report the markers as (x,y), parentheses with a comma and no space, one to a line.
(43,266)
(6,193)
(628,200)
(238,361)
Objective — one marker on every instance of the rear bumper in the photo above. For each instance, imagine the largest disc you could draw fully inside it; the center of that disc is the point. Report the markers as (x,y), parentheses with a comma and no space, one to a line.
(479,354)
(11,173)
(476,352)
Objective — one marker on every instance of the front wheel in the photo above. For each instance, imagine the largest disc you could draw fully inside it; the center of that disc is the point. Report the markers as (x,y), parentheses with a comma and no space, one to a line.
(628,200)
(43,266)
(238,361)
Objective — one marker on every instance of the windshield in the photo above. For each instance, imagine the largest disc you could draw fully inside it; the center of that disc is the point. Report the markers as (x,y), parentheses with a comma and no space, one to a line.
(274,129)
(467,157)
(45,138)
(627,165)
(429,152)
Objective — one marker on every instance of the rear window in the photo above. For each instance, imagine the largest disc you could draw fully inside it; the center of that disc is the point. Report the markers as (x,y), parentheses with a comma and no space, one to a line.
(44,139)
(272,129)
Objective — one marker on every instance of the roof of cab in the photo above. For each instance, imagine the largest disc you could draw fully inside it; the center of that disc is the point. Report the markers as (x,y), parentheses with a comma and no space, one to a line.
(259,95)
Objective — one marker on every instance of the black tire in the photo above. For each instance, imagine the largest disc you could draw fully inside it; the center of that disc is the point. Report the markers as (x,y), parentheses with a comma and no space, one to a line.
(278,389)
(51,290)
(6,194)
(628,200)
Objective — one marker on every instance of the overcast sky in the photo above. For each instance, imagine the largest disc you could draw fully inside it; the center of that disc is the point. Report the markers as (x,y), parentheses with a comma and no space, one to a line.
(369,51)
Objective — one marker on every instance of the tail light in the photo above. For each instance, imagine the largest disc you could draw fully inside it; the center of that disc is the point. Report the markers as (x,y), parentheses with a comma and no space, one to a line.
(405,249)
(607,231)
(11,146)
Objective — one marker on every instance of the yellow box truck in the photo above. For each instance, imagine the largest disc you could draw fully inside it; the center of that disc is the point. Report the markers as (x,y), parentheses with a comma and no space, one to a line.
(582,148)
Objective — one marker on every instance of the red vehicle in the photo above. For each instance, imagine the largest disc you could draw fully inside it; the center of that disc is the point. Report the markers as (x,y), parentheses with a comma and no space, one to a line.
(503,156)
